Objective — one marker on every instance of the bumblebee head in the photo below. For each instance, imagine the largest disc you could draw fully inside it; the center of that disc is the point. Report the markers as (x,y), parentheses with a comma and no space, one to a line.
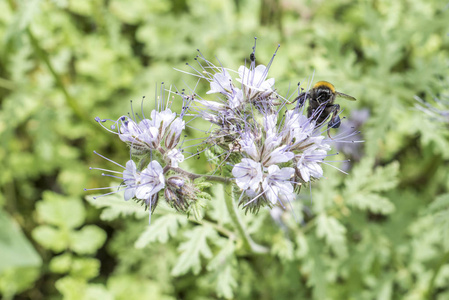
(324,85)
(323,91)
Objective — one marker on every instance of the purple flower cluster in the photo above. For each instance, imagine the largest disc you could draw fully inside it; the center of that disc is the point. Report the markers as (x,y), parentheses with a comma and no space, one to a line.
(273,149)
(266,147)
(154,144)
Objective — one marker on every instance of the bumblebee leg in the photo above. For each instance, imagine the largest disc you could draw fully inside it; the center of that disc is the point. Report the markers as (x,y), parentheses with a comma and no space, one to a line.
(301,98)
(334,122)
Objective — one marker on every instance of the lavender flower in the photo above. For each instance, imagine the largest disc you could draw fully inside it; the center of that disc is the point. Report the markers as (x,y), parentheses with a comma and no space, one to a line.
(248,175)
(309,163)
(254,83)
(175,157)
(277,185)
(131,179)
(151,181)
(155,139)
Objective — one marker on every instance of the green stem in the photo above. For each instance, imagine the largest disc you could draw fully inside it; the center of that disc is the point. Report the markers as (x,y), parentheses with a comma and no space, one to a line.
(444,259)
(194,176)
(233,213)
(217,227)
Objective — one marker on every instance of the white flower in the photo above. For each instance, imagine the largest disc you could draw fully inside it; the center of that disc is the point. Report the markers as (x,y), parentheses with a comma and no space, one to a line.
(162,119)
(254,83)
(269,152)
(309,163)
(175,156)
(277,185)
(221,83)
(276,156)
(128,129)
(297,127)
(235,99)
(149,134)
(248,174)
(174,132)
(270,122)
(151,181)
(130,179)
(248,145)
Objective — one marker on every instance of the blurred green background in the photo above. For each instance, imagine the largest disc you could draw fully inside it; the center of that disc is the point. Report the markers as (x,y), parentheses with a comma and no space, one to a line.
(380,232)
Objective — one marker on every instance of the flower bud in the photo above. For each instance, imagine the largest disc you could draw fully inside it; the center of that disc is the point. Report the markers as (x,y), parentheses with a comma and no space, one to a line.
(176,182)
(170,196)
(179,203)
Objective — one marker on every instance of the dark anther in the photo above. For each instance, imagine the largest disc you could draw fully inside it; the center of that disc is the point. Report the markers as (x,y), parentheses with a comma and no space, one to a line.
(252,57)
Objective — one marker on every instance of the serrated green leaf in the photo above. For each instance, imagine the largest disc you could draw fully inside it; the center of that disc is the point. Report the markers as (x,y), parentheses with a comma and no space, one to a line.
(61,211)
(51,238)
(223,266)
(363,186)
(161,230)
(97,291)
(87,240)
(218,211)
(71,288)
(197,209)
(302,246)
(115,207)
(15,280)
(441,203)
(85,268)
(282,247)
(193,249)
(440,213)
(27,10)
(333,233)
(75,288)
(226,282)
(315,272)
(372,202)
(61,263)
(129,286)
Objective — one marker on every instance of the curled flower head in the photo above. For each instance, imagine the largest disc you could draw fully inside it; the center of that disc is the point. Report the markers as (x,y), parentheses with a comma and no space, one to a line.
(160,132)
(155,153)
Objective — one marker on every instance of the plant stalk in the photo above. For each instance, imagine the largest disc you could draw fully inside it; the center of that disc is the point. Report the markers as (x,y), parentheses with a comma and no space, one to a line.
(248,242)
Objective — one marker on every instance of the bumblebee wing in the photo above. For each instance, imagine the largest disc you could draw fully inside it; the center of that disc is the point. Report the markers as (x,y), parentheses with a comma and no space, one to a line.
(301,98)
(347,97)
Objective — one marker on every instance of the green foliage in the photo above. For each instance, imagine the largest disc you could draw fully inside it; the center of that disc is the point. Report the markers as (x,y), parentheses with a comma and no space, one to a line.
(62,218)
(364,185)
(192,250)
(161,230)
(380,232)
(116,207)
(15,249)
(440,212)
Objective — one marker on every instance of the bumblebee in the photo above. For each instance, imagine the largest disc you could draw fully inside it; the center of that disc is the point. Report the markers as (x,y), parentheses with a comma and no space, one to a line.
(321,103)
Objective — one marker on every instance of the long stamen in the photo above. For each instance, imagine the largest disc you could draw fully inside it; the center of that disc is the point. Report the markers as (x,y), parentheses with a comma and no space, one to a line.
(110,160)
